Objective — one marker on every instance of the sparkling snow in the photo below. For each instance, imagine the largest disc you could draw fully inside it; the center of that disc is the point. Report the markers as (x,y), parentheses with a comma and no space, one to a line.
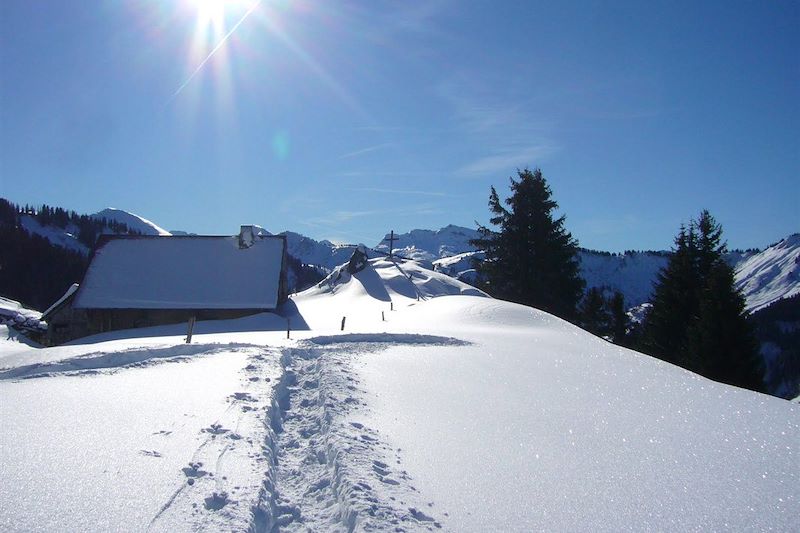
(437,408)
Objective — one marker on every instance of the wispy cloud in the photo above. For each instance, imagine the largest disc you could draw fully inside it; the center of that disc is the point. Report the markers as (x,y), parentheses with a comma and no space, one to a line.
(336,217)
(506,159)
(399,191)
(508,133)
(366,150)
(386,174)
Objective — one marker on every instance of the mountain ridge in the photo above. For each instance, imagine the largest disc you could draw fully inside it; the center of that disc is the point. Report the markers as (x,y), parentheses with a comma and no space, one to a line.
(764,276)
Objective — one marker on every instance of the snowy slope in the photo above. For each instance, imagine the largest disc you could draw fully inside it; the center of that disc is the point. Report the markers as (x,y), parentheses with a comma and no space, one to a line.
(770,275)
(435,408)
(134,222)
(66,238)
(320,253)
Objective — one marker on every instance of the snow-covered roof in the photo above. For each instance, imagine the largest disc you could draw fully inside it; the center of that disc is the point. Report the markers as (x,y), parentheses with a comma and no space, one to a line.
(183,273)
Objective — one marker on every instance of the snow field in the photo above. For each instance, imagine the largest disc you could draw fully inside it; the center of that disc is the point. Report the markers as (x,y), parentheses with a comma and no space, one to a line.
(109,450)
(452,411)
(545,426)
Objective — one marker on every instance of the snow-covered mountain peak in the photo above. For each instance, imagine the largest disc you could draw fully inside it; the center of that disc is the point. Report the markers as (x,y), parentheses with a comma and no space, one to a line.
(134,222)
(428,245)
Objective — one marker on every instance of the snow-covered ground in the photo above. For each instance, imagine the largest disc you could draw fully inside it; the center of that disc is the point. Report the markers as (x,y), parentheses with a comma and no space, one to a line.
(435,408)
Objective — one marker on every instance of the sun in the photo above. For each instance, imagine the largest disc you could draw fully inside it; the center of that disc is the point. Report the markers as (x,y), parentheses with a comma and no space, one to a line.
(210,13)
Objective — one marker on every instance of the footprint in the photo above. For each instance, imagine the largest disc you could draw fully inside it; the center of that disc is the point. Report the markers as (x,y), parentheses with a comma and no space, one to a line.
(380,470)
(243,396)
(150,453)
(215,429)
(419,515)
(217,501)
(193,470)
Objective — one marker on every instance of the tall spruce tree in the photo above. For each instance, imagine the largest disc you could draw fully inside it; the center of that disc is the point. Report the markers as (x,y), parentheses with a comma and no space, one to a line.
(698,320)
(531,259)
(592,312)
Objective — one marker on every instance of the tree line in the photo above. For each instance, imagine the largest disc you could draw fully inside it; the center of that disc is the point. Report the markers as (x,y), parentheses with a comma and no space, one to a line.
(697,319)
(86,228)
(32,270)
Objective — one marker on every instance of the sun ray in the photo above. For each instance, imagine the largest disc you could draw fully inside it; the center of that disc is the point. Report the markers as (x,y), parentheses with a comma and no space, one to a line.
(217,23)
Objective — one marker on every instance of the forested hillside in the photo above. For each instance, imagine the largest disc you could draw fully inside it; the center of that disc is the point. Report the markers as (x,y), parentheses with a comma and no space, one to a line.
(34,270)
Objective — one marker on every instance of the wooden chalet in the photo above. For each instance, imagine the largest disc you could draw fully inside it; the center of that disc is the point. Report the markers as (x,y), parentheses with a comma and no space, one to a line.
(142,281)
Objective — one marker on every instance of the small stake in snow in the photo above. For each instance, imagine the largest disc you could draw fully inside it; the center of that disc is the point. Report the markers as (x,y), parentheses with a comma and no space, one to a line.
(189,333)
(343,319)
(391,306)
(288,327)
(383,318)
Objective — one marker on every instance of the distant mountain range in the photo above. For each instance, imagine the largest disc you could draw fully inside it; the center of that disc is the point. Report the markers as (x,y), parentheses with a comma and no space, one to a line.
(763,277)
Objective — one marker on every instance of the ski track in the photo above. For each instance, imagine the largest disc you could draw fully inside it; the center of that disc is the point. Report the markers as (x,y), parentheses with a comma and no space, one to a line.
(333,473)
(289,454)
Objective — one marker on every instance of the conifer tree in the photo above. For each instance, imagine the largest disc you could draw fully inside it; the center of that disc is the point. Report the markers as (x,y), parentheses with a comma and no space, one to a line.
(592,312)
(698,320)
(531,259)
(619,319)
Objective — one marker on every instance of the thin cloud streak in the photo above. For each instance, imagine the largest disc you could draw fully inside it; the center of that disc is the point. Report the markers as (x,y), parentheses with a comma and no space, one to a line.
(508,159)
(366,150)
(398,191)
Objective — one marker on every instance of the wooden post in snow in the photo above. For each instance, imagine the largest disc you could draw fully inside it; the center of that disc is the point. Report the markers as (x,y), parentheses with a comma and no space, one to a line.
(288,327)
(191,328)
(343,319)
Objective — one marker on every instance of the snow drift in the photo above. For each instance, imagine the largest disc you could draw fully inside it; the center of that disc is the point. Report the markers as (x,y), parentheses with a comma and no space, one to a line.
(436,408)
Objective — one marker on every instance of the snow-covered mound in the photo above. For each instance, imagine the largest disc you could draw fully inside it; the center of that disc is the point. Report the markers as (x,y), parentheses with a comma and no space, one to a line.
(380,287)
(434,408)
(770,275)
(428,245)
(134,222)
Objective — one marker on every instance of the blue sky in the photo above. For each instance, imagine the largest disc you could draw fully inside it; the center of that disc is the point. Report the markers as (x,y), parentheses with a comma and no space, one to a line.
(343,120)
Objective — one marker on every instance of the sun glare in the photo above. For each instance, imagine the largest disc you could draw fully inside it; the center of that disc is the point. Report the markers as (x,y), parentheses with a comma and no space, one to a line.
(210,13)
